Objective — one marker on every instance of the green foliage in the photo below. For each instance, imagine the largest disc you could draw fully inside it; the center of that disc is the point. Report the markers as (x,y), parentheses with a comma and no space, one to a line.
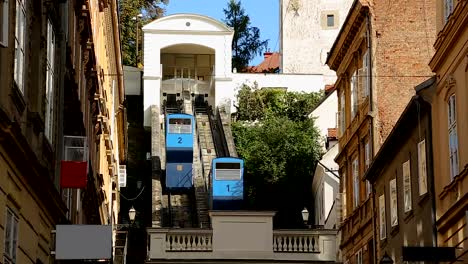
(256,104)
(129,9)
(280,147)
(246,42)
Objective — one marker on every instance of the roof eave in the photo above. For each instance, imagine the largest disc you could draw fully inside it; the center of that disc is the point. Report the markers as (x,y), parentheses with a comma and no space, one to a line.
(356,10)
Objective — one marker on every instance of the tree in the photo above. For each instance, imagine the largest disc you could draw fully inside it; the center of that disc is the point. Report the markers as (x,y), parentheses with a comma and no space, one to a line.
(129,9)
(255,104)
(246,42)
(280,146)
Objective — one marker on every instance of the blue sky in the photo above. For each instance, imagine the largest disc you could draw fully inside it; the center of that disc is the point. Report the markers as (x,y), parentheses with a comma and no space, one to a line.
(263,14)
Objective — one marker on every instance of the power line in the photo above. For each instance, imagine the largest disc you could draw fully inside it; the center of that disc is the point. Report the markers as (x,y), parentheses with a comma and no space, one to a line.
(136,197)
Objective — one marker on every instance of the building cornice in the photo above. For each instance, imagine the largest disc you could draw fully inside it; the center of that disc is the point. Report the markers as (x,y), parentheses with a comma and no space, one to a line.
(448,36)
(188,32)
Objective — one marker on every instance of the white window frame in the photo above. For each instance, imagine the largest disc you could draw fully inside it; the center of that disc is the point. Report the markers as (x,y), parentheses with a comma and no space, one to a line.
(382,216)
(393,203)
(20,44)
(356,182)
(367,158)
(422,169)
(448,9)
(342,113)
(11,237)
(354,94)
(358,255)
(453,136)
(50,83)
(365,70)
(343,197)
(407,196)
(4,23)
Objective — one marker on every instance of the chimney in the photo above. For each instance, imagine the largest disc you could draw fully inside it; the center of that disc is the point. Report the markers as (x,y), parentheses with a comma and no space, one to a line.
(267,54)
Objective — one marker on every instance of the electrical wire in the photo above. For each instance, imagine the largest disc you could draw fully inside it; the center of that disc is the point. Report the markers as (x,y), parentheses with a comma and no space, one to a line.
(136,197)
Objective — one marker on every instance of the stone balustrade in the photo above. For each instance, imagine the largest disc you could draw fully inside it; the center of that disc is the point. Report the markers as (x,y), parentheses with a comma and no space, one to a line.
(189,240)
(241,236)
(296,241)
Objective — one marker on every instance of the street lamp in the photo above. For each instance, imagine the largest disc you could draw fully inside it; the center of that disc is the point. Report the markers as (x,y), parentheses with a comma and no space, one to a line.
(305,216)
(386,259)
(132,214)
(139,16)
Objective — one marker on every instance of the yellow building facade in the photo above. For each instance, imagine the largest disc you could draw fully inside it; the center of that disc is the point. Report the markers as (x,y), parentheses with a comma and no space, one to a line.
(60,75)
(450,125)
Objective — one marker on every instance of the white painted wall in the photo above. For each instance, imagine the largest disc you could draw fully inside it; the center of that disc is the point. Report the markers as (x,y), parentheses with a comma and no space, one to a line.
(305,38)
(294,82)
(325,115)
(325,189)
(189,29)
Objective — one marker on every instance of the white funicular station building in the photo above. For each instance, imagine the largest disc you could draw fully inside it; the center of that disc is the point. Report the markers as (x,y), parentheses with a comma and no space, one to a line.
(189,56)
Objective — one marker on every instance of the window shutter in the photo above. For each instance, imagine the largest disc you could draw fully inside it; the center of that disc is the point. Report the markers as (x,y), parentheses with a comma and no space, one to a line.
(122,176)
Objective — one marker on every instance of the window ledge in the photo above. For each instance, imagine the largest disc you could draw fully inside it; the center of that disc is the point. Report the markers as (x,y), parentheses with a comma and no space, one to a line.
(408,216)
(423,198)
(395,230)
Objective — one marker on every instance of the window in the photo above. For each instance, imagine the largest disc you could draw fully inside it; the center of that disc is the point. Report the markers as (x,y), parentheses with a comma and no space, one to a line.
(359,257)
(20,29)
(453,137)
(330,20)
(448,8)
(393,203)
(342,116)
(11,237)
(367,154)
(365,74)
(407,185)
(50,77)
(343,196)
(383,228)
(4,23)
(356,182)
(422,172)
(367,158)
(354,95)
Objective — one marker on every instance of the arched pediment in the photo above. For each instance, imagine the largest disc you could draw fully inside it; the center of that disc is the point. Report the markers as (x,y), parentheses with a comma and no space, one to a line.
(188,23)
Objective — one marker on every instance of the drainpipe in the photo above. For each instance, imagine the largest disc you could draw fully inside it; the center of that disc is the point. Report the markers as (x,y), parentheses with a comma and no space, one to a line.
(431,170)
(371,131)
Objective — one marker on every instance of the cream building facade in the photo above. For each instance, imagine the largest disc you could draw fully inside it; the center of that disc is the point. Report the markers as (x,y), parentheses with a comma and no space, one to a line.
(450,126)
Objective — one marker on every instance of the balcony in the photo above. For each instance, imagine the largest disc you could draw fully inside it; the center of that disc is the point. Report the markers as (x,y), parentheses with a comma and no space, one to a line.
(241,236)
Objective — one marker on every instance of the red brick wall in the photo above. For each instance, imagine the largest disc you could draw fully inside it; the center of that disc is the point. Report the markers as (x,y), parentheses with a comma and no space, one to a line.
(403,34)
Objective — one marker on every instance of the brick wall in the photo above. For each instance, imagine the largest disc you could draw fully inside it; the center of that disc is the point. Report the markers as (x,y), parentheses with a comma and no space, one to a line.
(403,34)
